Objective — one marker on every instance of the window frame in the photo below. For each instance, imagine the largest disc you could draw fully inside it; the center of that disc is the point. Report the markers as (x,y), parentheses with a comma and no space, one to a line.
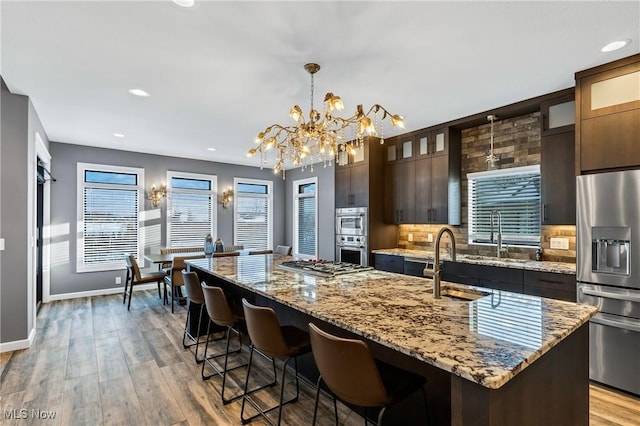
(81,168)
(213,193)
(296,200)
(524,241)
(268,196)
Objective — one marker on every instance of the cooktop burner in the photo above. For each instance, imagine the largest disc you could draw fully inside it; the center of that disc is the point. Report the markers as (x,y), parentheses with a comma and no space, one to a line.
(323,268)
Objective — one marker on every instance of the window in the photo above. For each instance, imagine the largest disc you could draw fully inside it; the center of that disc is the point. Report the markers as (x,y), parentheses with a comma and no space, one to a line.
(191,212)
(305,218)
(253,224)
(109,205)
(515,193)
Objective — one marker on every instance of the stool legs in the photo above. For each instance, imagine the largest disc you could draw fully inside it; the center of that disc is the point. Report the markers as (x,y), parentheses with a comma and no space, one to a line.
(315,407)
(187,333)
(262,412)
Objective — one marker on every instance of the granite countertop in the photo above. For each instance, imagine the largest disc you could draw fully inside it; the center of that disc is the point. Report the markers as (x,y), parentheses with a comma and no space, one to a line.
(487,341)
(530,265)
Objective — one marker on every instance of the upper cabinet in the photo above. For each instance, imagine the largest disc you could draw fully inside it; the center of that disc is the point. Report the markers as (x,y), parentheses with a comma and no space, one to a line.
(608,116)
(351,186)
(557,157)
(422,181)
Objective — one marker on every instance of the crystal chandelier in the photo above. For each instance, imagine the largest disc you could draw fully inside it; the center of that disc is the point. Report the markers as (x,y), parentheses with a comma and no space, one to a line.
(323,136)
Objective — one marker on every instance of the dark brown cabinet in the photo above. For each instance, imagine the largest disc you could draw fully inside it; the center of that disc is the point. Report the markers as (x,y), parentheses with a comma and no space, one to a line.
(422,176)
(389,263)
(557,172)
(359,182)
(400,192)
(551,285)
(608,116)
(352,183)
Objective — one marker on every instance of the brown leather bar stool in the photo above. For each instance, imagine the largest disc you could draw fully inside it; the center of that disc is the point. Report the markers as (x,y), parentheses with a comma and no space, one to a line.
(348,369)
(222,314)
(271,339)
(135,277)
(194,296)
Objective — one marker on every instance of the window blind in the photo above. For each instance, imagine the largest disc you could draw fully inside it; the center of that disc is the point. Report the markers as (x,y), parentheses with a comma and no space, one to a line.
(191,219)
(108,206)
(110,226)
(252,221)
(515,193)
(307,225)
(191,212)
(305,218)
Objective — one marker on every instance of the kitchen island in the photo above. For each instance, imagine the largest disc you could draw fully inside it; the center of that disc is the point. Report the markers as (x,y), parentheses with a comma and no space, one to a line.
(503,358)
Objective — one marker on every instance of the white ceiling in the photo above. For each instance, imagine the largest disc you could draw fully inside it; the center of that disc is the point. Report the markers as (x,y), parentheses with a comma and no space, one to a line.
(221,72)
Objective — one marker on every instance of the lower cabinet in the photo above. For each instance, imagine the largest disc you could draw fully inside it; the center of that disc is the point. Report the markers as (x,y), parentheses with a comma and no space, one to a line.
(389,263)
(494,277)
(549,284)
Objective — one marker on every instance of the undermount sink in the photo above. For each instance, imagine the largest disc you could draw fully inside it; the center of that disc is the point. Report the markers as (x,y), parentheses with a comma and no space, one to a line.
(455,294)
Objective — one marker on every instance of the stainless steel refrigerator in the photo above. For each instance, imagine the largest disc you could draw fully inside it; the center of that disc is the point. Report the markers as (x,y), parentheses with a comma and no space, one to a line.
(608,274)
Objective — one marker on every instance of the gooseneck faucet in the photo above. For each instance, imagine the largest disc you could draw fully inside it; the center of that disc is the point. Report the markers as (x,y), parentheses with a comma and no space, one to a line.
(499,239)
(435,273)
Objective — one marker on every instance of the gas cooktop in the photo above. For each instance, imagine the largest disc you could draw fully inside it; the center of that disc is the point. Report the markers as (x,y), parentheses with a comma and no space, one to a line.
(322,268)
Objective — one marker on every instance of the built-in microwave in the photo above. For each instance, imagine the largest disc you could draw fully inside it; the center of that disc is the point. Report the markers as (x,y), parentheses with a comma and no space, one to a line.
(351,221)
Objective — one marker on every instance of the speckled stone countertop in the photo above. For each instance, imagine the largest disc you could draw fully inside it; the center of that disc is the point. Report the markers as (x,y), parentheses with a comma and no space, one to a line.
(530,265)
(487,341)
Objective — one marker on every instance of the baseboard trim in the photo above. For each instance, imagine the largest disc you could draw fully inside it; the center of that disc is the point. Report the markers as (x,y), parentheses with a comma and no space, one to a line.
(19,344)
(103,292)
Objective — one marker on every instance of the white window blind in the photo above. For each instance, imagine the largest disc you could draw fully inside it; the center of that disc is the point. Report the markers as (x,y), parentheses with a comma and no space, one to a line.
(253,214)
(305,218)
(109,202)
(515,193)
(191,209)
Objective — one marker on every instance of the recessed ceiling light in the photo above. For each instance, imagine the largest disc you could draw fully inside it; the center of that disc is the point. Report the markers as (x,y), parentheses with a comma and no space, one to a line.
(615,45)
(118,135)
(139,92)
(211,149)
(185,3)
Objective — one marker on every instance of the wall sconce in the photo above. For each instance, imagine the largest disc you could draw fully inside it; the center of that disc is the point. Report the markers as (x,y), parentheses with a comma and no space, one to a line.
(157,195)
(226,196)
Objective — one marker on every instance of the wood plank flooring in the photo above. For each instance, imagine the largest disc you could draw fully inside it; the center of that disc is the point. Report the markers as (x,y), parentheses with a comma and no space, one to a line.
(95,363)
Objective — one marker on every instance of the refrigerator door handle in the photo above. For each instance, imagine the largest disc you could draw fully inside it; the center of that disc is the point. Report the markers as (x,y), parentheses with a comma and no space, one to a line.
(626,325)
(625,297)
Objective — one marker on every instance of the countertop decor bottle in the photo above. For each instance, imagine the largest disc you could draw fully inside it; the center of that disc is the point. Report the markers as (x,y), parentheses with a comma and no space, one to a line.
(208,246)
(219,246)
(539,254)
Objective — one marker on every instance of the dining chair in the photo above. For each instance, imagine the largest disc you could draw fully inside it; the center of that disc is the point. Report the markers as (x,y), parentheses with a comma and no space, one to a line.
(349,370)
(285,250)
(134,277)
(174,278)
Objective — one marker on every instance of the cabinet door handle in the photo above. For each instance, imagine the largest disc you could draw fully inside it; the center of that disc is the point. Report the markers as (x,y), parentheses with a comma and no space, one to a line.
(401,215)
(545,212)
(434,215)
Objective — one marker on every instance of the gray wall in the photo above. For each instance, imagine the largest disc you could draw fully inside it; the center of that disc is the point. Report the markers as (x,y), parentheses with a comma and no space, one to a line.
(65,157)
(326,207)
(19,123)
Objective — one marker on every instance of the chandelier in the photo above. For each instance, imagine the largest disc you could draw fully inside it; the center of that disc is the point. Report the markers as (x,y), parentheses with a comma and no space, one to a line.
(492,159)
(323,135)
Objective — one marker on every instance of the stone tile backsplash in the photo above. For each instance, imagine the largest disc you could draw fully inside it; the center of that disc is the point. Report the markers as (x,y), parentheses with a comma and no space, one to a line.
(516,143)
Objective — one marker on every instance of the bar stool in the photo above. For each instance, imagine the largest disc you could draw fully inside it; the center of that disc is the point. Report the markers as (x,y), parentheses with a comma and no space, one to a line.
(134,277)
(194,296)
(348,369)
(222,314)
(271,339)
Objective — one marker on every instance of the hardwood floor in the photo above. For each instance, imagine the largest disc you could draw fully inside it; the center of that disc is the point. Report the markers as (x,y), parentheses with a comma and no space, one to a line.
(94,363)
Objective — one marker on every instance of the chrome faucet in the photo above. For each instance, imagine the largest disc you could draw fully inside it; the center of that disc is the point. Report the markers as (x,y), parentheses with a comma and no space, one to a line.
(499,248)
(435,273)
